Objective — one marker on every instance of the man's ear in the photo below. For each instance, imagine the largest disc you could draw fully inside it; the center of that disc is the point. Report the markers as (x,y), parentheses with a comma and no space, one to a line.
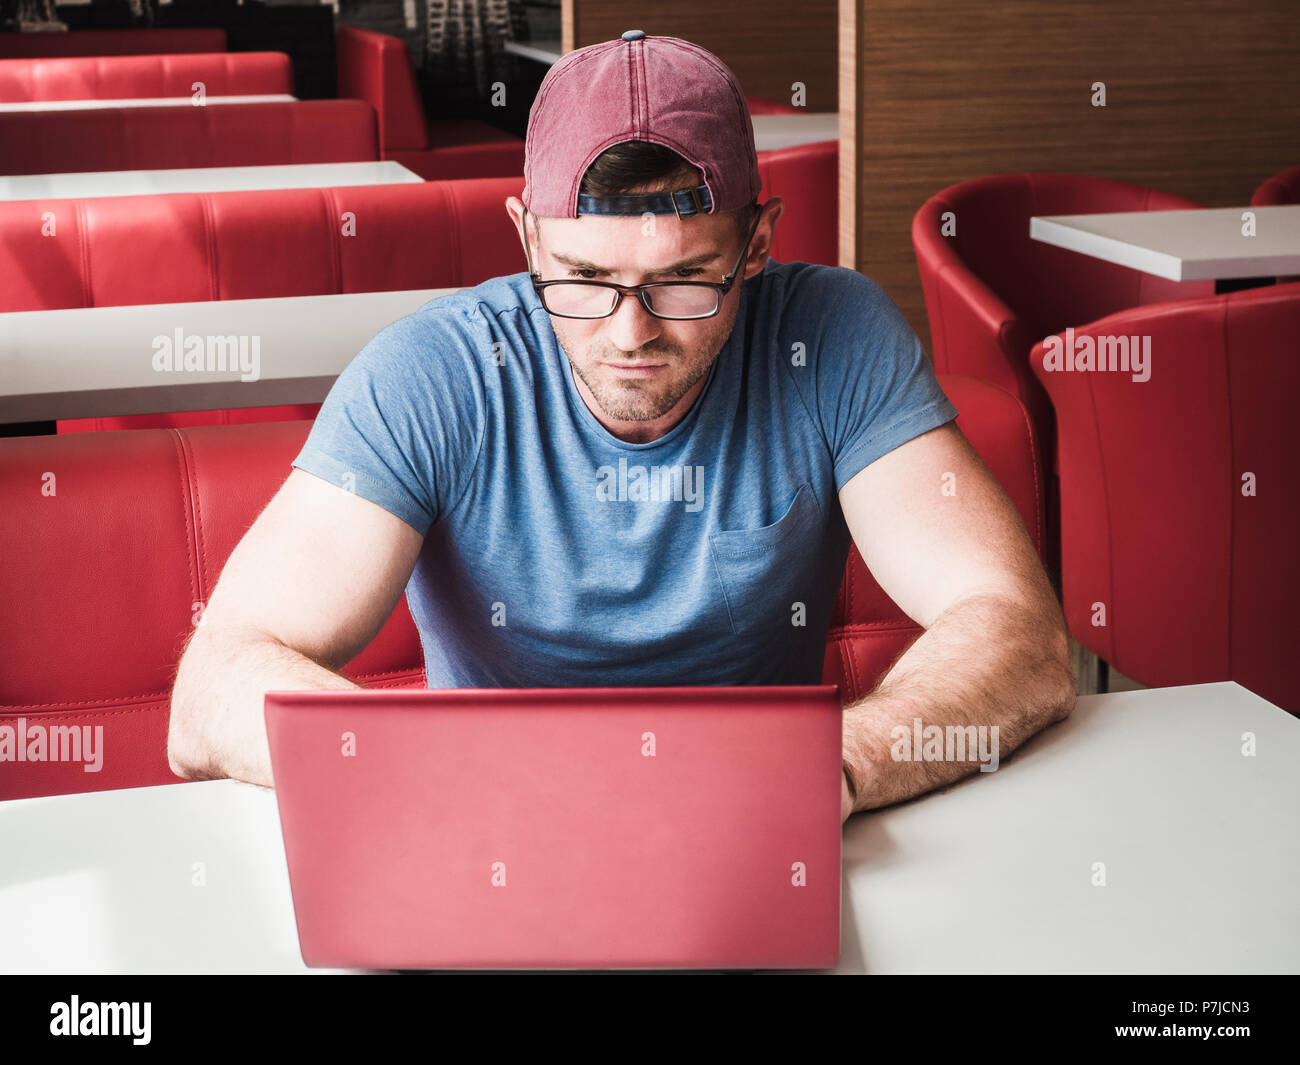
(515,209)
(760,248)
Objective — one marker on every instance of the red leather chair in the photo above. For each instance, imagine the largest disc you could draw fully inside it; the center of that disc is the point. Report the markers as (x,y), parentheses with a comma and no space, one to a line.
(111,42)
(163,138)
(105,574)
(990,291)
(135,76)
(377,68)
(1198,581)
(1279,190)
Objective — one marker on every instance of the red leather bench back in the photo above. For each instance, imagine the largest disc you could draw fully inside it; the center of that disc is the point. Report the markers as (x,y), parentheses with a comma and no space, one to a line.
(136,76)
(111,42)
(244,245)
(163,138)
(376,67)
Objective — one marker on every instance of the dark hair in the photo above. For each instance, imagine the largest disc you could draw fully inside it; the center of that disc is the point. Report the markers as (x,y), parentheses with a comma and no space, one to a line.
(640,166)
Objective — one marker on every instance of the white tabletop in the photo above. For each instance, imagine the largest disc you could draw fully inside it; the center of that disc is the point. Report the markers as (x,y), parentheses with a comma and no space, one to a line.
(145,101)
(203,179)
(993,875)
(1183,245)
(99,361)
(787,131)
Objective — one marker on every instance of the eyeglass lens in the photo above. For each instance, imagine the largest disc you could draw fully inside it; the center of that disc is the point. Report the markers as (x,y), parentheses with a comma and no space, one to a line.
(592,301)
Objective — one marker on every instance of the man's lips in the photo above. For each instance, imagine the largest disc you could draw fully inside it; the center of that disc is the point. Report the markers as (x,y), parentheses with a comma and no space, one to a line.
(636,369)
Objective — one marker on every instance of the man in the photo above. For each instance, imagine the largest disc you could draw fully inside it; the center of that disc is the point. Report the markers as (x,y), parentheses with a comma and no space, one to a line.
(640,463)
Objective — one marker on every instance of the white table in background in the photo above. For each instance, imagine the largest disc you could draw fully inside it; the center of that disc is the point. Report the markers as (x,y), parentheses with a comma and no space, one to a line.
(145,101)
(1195,245)
(1201,847)
(787,131)
(542,51)
(203,179)
(98,361)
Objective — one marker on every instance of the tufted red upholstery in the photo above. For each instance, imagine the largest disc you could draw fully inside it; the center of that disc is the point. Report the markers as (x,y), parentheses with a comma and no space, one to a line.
(990,291)
(1198,581)
(102,577)
(377,68)
(163,138)
(243,245)
(127,77)
(111,42)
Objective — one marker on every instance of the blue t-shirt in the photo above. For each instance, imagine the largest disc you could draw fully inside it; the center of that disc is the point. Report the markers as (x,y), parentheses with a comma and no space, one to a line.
(556,554)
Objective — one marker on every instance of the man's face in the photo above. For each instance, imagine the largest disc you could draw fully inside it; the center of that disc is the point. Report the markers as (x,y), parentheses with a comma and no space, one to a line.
(639,373)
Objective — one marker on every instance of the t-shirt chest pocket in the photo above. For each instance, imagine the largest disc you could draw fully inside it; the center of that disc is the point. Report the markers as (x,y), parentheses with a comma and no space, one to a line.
(764,572)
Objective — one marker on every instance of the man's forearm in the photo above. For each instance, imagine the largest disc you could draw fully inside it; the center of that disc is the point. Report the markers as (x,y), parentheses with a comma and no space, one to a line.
(985,662)
(217,723)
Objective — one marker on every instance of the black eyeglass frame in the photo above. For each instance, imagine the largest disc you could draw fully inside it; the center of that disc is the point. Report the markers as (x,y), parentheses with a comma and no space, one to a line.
(721,287)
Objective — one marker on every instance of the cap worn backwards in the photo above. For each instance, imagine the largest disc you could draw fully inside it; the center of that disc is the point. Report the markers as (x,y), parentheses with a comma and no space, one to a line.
(662,90)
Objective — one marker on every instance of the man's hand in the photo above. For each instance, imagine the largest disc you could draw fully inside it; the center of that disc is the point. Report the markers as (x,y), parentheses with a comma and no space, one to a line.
(846,798)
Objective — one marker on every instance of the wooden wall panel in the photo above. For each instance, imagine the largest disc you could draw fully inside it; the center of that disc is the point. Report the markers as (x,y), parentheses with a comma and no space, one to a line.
(1202,99)
(767,43)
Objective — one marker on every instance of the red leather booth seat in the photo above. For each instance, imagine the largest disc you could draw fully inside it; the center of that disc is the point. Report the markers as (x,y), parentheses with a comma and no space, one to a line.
(1197,577)
(111,42)
(244,245)
(127,77)
(106,569)
(164,138)
(377,68)
(759,106)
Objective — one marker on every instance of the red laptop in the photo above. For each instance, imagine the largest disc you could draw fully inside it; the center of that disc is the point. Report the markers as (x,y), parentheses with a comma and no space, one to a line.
(594,828)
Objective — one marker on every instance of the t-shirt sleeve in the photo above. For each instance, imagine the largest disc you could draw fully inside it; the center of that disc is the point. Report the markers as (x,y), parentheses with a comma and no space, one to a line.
(875,387)
(403,422)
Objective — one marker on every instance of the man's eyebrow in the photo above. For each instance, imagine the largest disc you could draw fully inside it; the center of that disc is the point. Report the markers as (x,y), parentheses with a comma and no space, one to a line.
(685,264)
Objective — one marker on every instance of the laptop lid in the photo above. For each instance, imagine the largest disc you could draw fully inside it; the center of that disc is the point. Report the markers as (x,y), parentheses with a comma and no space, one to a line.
(624,828)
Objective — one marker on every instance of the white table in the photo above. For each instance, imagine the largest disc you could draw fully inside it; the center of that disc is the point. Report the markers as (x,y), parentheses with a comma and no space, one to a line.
(1183,245)
(203,179)
(1201,845)
(787,131)
(145,101)
(543,51)
(98,361)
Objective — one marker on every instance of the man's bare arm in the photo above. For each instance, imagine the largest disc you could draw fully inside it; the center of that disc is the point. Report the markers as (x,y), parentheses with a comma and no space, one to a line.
(995,651)
(307,588)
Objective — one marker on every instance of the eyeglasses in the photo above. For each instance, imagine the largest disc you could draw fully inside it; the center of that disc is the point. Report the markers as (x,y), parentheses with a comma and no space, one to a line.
(674,300)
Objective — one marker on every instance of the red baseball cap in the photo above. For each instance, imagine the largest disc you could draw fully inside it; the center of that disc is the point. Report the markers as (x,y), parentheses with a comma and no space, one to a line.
(658,89)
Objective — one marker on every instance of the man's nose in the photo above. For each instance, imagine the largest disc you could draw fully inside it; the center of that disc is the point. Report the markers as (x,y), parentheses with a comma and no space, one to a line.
(631,326)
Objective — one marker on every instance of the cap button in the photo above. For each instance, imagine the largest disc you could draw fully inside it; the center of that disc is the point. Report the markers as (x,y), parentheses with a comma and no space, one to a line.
(633,35)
